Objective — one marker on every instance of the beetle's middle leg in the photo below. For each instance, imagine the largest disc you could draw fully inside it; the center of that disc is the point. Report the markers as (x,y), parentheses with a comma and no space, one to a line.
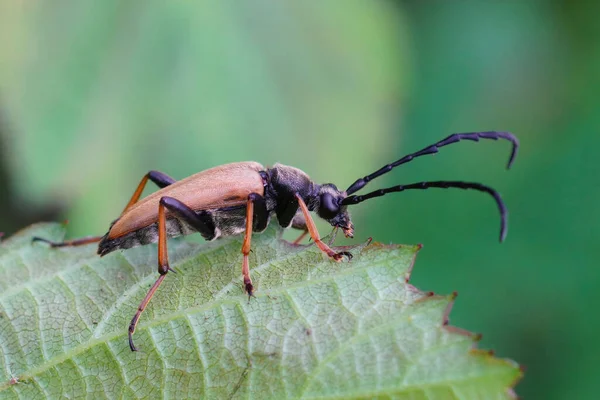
(256,220)
(314,233)
(201,221)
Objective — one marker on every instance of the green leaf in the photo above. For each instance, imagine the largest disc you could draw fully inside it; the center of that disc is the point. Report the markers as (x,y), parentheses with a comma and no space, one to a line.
(316,328)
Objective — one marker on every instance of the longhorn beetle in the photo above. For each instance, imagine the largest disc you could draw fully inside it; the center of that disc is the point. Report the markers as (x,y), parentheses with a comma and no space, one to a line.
(241,197)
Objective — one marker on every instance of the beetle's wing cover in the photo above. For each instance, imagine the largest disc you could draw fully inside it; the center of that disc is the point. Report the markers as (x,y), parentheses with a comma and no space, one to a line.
(223,186)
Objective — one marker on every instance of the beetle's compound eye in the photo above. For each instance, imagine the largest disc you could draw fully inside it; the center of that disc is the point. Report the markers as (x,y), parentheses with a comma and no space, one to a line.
(329,206)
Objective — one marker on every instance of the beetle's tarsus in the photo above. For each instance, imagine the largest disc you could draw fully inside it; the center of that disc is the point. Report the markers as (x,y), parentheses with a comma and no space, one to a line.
(339,256)
(250,290)
(131,345)
(40,239)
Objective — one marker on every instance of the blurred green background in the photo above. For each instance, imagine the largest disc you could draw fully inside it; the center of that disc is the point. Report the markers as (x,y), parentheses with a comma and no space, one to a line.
(93,95)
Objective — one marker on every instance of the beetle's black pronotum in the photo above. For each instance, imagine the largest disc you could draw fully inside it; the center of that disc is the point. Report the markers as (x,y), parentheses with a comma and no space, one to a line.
(242,197)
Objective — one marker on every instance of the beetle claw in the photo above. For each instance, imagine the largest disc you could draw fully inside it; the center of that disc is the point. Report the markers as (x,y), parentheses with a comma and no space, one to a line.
(338,256)
(250,290)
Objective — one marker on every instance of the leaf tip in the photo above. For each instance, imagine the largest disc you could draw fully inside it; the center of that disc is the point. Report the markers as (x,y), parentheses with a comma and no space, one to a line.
(522,368)
(446,315)
(408,274)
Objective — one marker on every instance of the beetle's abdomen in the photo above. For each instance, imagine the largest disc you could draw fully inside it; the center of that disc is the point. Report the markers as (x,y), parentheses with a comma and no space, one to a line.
(227,222)
(143,236)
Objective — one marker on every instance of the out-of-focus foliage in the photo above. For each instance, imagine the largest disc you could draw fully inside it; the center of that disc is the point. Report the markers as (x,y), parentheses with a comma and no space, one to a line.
(94,95)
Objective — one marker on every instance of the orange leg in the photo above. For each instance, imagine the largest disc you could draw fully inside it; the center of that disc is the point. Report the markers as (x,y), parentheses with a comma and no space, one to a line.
(246,246)
(314,233)
(163,268)
(136,195)
(302,235)
(69,243)
(161,180)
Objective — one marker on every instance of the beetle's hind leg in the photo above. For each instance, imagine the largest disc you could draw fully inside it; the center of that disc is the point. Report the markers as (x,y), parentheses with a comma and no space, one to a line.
(69,243)
(161,180)
(201,221)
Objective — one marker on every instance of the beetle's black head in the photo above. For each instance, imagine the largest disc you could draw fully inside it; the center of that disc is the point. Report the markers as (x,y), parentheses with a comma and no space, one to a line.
(329,207)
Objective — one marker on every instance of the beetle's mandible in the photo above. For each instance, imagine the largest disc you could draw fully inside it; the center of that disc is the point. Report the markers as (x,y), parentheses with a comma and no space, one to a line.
(242,197)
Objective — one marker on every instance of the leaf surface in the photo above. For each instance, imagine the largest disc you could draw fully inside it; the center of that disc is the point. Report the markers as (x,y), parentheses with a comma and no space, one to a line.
(316,328)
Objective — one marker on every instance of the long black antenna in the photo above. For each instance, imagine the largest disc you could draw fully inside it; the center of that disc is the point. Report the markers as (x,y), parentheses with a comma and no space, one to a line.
(434,148)
(438,184)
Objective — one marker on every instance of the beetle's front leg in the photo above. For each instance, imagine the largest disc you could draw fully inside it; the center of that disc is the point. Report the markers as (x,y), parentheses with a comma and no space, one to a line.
(299,223)
(256,219)
(314,233)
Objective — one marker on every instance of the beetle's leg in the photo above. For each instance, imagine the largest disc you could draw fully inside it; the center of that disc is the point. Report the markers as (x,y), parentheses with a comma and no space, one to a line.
(163,268)
(141,308)
(314,233)
(201,222)
(256,220)
(299,238)
(69,243)
(252,198)
(299,223)
(161,180)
